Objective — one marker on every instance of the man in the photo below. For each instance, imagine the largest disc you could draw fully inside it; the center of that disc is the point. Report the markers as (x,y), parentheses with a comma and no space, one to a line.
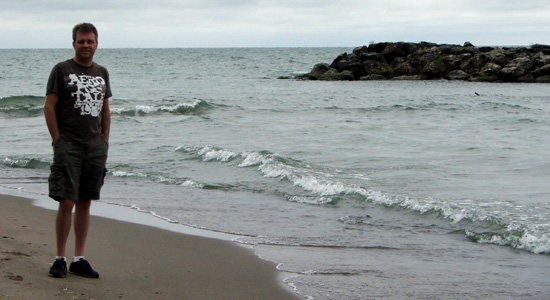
(79,119)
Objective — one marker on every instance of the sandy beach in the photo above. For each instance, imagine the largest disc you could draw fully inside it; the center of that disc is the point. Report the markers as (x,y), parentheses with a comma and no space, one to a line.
(134,262)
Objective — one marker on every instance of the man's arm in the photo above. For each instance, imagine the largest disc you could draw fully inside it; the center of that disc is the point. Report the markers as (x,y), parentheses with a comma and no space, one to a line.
(106,119)
(51,117)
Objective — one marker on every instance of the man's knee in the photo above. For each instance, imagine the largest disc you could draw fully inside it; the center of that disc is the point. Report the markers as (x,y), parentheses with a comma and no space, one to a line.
(66,205)
(83,204)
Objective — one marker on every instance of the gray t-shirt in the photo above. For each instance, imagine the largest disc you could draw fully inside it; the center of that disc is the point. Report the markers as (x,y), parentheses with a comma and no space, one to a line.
(81,91)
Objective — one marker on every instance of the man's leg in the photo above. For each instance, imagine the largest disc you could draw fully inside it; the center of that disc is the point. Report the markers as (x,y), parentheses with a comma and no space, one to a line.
(63,225)
(80,266)
(62,229)
(81,225)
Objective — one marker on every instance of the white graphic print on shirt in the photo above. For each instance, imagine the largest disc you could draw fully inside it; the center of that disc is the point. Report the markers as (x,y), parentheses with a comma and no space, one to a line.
(89,93)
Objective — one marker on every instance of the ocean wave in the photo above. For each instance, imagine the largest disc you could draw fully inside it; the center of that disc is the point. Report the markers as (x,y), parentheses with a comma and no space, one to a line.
(197,107)
(322,187)
(26,163)
(22,106)
(408,107)
(122,173)
(501,106)
(32,106)
(535,241)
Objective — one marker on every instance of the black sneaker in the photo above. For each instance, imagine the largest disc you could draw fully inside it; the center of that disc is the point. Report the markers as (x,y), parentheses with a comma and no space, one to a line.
(58,269)
(83,268)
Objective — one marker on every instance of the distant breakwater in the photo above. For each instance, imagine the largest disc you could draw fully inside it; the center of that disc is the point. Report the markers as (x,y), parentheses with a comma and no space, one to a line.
(426,61)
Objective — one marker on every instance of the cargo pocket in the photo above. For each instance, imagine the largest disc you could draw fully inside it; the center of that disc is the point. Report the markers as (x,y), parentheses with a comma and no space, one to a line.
(55,181)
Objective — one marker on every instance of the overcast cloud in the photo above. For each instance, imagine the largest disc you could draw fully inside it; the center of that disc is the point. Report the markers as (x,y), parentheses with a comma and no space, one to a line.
(274,23)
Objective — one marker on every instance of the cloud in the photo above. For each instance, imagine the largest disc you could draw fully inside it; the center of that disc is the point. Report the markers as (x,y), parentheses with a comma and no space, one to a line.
(245,23)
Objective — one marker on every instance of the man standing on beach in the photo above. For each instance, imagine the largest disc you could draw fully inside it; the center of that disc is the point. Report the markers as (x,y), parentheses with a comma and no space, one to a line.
(79,119)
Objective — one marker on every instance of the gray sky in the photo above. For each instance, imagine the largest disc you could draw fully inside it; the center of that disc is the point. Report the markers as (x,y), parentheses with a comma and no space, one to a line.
(274,23)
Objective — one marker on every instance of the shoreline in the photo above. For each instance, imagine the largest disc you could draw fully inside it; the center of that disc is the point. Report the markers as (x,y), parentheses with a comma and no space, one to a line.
(135,261)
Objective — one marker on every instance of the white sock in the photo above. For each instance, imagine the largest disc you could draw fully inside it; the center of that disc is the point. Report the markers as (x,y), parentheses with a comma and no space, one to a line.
(61,258)
(77,258)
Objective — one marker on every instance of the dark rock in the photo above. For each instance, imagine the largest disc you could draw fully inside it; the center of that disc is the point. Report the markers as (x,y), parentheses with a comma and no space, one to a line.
(541,59)
(331,74)
(497,56)
(545,49)
(319,69)
(372,56)
(523,62)
(347,75)
(490,69)
(434,70)
(526,78)
(404,68)
(486,49)
(474,64)
(397,50)
(424,60)
(419,60)
(338,59)
(378,68)
(512,74)
(544,79)
(542,71)
(359,50)
(350,63)
(373,77)
(410,77)
(484,78)
(457,75)
(378,48)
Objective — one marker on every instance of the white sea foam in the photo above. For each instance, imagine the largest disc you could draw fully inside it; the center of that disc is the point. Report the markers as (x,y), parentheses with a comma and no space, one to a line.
(208,153)
(119,173)
(251,159)
(191,183)
(146,108)
(151,109)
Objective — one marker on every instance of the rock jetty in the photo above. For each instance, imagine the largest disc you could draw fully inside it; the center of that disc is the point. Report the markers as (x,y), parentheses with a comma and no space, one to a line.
(425,61)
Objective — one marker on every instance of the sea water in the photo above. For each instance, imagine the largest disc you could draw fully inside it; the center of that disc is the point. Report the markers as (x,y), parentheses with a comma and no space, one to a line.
(358,190)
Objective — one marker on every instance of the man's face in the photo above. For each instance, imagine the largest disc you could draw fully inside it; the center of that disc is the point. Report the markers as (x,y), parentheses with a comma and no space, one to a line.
(85,46)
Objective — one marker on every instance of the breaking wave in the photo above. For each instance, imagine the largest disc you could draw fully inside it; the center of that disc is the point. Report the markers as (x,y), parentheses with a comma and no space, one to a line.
(33,106)
(320,187)
(197,107)
(26,163)
(22,106)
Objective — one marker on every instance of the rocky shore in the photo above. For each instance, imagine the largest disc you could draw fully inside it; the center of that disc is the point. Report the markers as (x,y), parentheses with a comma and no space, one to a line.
(425,61)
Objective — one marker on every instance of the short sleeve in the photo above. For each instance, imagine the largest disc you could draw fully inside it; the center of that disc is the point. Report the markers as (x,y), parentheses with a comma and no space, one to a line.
(53,81)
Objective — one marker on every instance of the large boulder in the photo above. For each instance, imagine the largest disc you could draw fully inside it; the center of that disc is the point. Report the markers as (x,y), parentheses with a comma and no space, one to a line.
(404,68)
(331,74)
(350,63)
(497,56)
(544,79)
(365,56)
(511,74)
(318,70)
(457,75)
(400,49)
(376,67)
(434,70)
(490,69)
(424,60)
(474,64)
(542,71)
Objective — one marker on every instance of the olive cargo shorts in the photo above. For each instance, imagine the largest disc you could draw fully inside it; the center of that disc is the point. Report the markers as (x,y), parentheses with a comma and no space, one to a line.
(78,170)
